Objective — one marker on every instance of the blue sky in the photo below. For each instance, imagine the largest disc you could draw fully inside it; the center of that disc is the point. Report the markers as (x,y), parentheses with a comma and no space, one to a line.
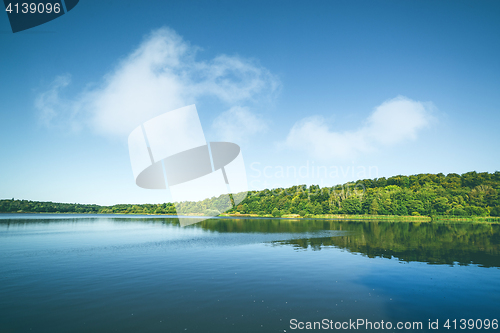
(362,89)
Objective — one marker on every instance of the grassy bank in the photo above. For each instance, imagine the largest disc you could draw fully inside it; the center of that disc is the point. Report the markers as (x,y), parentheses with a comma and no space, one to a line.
(347,217)
(341,217)
(389,218)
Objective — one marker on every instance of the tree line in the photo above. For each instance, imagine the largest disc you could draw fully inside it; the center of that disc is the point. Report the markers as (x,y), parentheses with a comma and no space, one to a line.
(469,194)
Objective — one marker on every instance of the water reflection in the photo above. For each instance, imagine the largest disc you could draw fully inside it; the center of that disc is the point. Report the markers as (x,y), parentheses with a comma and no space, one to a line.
(433,243)
(456,243)
(461,244)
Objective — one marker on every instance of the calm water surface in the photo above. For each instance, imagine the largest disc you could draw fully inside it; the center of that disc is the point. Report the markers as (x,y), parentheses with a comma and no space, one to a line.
(87,273)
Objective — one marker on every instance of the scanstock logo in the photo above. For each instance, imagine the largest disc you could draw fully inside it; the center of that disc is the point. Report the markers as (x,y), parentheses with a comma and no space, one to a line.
(170,150)
(28,14)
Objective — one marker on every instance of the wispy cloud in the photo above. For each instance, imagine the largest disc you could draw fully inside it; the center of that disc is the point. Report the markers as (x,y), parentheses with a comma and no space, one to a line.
(49,103)
(394,121)
(238,124)
(162,74)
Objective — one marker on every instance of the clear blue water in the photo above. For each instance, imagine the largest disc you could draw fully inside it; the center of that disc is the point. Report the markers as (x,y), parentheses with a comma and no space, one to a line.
(88,273)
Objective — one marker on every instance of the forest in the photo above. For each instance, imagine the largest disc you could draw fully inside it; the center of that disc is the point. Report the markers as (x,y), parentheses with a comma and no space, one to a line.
(467,195)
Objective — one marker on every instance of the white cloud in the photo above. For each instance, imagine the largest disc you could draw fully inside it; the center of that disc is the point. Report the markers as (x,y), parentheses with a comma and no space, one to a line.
(162,74)
(394,121)
(238,123)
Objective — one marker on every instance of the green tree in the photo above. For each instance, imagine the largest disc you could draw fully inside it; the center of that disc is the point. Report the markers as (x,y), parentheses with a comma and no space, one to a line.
(276,212)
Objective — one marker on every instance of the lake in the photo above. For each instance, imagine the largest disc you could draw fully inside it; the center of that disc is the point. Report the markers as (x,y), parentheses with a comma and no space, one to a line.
(111,273)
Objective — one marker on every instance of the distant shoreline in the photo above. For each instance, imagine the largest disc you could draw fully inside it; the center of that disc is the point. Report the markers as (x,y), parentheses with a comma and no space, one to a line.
(335,217)
(470,197)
